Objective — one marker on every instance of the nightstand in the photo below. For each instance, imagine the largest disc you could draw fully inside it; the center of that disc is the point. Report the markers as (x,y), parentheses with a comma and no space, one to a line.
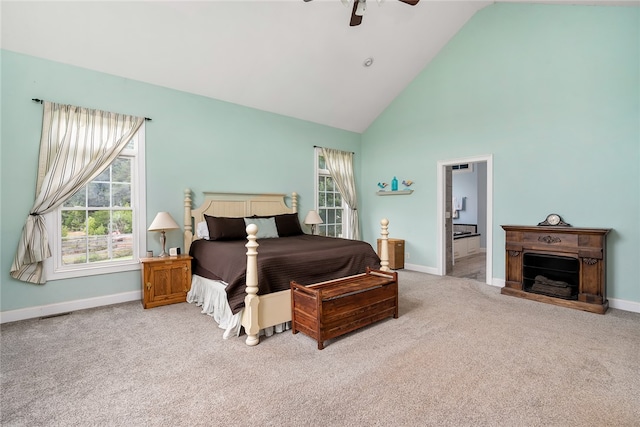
(165,280)
(395,251)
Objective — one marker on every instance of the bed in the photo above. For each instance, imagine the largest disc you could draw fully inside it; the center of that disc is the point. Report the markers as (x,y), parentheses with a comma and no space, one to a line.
(239,288)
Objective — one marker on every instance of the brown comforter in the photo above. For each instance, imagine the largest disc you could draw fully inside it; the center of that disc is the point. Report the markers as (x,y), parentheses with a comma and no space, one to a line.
(306,259)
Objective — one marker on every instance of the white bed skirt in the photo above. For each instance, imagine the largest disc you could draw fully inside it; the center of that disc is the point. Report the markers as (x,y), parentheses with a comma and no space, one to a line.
(211,296)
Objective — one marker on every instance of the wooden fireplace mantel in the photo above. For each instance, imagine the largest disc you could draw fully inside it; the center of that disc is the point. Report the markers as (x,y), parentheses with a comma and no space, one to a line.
(587,245)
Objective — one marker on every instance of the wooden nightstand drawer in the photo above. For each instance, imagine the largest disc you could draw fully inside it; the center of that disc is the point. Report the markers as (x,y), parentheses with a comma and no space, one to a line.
(165,280)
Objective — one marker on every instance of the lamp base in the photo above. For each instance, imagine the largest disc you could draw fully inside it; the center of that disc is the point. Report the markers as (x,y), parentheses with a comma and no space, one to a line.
(163,240)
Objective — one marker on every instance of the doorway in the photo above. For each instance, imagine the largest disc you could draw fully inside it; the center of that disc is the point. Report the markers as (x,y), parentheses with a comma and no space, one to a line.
(484,219)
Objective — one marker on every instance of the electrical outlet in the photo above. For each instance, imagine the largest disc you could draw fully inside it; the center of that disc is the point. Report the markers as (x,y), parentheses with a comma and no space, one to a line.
(407,255)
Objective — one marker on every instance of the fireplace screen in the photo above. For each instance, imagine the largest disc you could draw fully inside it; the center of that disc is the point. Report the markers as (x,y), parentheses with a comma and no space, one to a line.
(552,275)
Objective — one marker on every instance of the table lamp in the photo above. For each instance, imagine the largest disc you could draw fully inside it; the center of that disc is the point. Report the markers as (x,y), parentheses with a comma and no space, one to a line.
(163,221)
(312,219)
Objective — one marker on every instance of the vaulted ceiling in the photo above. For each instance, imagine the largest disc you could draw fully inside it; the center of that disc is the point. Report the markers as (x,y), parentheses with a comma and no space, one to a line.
(296,58)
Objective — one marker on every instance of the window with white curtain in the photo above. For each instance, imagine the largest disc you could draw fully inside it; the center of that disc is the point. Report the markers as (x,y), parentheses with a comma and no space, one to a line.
(102,227)
(329,202)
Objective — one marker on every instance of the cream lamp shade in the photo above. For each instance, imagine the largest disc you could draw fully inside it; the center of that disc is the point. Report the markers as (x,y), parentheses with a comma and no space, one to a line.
(163,221)
(313,219)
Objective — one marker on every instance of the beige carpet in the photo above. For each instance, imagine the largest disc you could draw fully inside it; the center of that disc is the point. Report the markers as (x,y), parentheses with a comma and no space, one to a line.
(460,354)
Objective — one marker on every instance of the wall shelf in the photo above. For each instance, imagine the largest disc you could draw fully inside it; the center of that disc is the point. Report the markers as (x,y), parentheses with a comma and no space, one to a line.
(393,193)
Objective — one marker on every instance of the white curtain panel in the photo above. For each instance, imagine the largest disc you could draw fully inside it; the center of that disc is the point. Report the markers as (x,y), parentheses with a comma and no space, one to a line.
(77,144)
(340,166)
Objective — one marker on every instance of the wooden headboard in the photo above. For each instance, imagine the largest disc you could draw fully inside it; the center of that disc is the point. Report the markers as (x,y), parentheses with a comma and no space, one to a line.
(232,205)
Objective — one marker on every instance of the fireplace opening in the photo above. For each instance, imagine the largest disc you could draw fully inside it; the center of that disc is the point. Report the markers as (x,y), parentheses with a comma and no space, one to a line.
(552,275)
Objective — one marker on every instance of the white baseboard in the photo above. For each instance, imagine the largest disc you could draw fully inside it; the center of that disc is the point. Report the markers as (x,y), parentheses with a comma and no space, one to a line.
(421,269)
(625,305)
(497,282)
(68,306)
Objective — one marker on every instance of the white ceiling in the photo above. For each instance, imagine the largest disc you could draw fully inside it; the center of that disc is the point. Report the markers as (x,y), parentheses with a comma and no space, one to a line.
(300,59)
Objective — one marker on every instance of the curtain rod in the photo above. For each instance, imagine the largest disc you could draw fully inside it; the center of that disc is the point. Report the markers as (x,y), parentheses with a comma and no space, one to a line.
(317,146)
(40,101)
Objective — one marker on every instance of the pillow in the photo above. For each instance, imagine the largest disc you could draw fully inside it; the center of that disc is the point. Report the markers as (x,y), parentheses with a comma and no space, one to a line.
(266,227)
(288,225)
(202,231)
(221,228)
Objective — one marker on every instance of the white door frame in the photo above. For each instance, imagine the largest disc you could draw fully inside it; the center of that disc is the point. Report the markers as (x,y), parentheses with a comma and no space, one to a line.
(443,210)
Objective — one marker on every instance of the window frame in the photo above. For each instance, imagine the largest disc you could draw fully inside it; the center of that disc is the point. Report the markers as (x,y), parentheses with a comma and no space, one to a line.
(55,270)
(346,212)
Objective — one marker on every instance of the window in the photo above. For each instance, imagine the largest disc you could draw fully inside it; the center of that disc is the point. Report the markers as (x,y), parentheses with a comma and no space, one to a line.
(101,228)
(330,206)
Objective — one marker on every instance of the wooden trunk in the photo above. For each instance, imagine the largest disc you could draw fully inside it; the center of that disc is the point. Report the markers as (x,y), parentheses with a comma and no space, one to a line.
(587,245)
(330,309)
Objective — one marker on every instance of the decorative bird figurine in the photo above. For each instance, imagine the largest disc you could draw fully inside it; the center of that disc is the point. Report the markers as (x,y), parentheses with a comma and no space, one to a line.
(382,185)
(407,183)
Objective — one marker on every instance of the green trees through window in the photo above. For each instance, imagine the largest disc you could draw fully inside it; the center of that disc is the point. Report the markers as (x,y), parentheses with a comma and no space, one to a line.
(97,221)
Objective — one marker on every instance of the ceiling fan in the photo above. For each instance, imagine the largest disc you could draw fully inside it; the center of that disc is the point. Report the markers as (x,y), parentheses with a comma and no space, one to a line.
(359,7)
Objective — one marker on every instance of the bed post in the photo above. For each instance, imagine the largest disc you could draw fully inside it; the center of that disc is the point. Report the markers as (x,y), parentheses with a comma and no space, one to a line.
(251,301)
(384,247)
(188,226)
(294,202)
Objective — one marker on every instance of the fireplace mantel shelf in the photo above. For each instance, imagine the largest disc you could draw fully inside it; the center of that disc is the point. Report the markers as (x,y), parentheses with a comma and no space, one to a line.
(556,229)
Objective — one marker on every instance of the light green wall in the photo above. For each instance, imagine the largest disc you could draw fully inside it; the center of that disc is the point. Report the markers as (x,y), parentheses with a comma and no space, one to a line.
(553,93)
(195,142)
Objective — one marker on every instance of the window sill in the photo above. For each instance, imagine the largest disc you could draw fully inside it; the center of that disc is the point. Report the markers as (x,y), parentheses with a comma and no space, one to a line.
(85,271)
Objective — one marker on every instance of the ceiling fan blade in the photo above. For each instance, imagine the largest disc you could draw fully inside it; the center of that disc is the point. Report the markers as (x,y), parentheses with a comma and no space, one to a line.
(355,19)
(410,2)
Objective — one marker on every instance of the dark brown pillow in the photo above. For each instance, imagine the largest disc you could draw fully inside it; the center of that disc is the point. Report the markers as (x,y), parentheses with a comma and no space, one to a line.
(221,228)
(287,224)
